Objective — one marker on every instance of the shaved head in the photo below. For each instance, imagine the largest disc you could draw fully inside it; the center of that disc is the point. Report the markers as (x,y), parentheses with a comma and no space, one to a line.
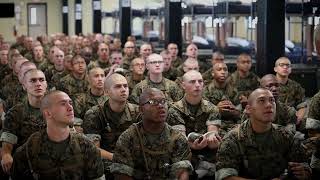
(47,99)
(281,59)
(266,78)
(187,76)
(112,79)
(255,94)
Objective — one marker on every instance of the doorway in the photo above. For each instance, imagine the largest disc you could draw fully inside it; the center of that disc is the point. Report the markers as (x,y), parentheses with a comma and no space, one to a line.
(37,19)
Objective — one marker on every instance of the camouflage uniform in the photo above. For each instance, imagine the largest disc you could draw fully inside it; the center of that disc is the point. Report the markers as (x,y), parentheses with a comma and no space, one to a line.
(314,111)
(50,72)
(170,74)
(72,86)
(310,146)
(257,156)
(285,116)
(195,119)
(45,65)
(132,83)
(215,94)
(20,122)
(170,89)
(54,82)
(8,86)
(127,61)
(18,95)
(207,76)
(180,71)
(291,93)
(245,85)
(176,62)
(165,153)
(4,71)
(84,101)
(29,55)
(100,119)
(97,63)
(74,158)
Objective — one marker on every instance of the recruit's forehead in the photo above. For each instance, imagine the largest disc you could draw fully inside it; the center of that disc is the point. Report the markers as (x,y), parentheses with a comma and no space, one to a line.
(219,66)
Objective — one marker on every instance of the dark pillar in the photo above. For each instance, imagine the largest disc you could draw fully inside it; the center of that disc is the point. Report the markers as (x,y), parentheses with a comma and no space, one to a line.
(78,17)
(125,20)
(270,34)
(65,11)
(96,6)
(172,22)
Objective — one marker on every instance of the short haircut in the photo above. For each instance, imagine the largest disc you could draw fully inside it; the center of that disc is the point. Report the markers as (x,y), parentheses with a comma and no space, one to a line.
(31,71)
(265,77)
(154,55)
(74,58)
(279,59)
(187,74)
(110,80)
(253,94)
(46,100)
(146,94)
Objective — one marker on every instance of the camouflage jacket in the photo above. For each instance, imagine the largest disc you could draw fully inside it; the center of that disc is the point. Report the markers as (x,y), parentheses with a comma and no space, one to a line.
(20,122)
(132,83)
(84,101)
(165,153)
(176,62)
(207,76)
(127,61)
(257,156)
(291,93)
(72,86)
(100,119)
(50,72)
(181,113)
(245,85)
(18,95)
(4,71)
(215,94)
(310,146)
(170,74)
(170,89)
(314,112)
(55,80)
(97,63)
(45,65)
(80,160)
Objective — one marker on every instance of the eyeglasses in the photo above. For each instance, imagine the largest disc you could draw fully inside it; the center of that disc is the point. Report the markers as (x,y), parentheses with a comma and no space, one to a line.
(156,102)
(155,62)
(141,65)
(285,65)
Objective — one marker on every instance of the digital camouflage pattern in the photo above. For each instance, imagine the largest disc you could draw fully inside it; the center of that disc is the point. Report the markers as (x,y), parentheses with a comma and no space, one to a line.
(80,159)
(50,72)
(8,86)
(18,95)
(72,86)
(291,93)
(127,62)
(84,101)
(170,74)
(108,124)
(245,85)
(45,65)
(55,80)
(132,83)
(207,76)
(97,63)
(165,153)
(257,156)
(215,94)
(195,119)
(169,88)
(176,62)
(20,122)
(314,111)
(4,71)
(310,146)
